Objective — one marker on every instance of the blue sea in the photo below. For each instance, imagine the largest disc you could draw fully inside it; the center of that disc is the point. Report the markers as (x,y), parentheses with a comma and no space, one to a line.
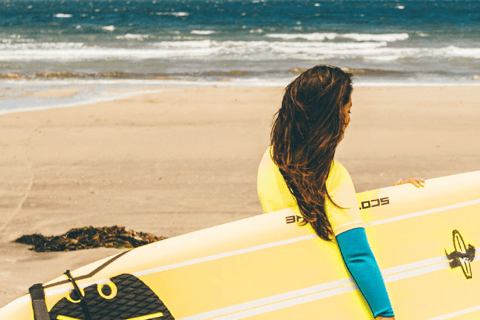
(381,41)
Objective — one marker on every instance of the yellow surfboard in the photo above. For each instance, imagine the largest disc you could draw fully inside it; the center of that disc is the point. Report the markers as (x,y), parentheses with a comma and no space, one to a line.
(269,267)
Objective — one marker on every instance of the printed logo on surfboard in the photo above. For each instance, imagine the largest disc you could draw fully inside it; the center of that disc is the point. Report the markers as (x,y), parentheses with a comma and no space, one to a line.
(124,297)
(374,203)
(462,256)
(363,205)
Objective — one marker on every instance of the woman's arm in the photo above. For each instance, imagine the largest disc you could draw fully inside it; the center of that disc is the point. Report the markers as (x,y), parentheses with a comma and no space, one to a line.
(361,264)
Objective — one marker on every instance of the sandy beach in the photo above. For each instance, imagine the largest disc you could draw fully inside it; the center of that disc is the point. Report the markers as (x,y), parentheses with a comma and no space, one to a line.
(186,158)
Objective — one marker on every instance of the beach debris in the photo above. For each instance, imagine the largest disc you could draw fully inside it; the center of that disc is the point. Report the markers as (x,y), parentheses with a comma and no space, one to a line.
(297,70)
(89,237)
(58,75)
(52,75)
(11,75)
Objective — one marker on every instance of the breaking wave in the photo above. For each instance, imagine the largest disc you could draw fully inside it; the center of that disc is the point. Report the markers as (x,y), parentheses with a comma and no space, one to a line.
(245,50)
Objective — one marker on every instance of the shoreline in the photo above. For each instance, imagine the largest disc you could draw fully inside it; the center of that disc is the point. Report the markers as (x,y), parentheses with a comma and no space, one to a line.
(78,92)
(182,159)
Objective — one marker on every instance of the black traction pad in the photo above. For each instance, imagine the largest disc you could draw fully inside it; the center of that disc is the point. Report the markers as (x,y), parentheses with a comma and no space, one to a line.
(132,299)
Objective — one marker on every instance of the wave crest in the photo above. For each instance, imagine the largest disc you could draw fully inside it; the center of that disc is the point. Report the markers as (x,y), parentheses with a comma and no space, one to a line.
(390,37)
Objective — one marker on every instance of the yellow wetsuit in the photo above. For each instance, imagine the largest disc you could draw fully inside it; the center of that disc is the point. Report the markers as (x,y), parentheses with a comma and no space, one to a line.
(346,223)
(274,194)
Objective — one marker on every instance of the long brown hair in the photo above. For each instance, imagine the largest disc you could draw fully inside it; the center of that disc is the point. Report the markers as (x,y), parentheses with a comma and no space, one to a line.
(306,131)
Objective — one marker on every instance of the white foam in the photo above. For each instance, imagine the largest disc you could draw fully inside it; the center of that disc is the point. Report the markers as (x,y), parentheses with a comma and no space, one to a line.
(63,15)
(400,7)
(108,28)
(322,51)
(453,51)
(392,37)
(202,32)
(308,36)
(17,48)
(176,14)
(17,39)
(130,36)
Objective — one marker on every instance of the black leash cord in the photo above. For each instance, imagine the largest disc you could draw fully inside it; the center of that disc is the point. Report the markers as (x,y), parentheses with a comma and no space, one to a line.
(83,301)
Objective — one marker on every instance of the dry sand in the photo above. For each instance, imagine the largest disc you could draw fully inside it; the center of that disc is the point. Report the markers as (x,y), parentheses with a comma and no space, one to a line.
(186,158)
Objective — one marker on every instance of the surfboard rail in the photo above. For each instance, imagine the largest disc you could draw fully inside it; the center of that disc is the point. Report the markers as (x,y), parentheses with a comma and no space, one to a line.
(269,267)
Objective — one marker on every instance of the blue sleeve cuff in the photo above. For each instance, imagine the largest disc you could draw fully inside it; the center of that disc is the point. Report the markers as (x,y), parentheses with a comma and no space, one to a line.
(363,267)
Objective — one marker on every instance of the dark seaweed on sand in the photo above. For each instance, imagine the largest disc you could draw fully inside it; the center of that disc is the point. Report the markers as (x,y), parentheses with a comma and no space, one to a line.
(89,237)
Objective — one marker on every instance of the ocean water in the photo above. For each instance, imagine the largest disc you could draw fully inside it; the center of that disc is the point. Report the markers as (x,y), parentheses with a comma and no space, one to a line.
(381,41)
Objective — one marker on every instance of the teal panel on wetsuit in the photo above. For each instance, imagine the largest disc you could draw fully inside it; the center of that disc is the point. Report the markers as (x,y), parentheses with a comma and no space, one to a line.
(363,267)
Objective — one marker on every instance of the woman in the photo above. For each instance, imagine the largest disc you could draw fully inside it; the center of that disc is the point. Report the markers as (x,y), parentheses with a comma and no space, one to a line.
(299,170)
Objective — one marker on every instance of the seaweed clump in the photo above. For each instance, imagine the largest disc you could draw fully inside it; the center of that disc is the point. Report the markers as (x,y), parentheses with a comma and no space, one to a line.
(89,237)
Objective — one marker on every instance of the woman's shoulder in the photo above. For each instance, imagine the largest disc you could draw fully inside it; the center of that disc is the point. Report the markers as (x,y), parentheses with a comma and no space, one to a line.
(337,176)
